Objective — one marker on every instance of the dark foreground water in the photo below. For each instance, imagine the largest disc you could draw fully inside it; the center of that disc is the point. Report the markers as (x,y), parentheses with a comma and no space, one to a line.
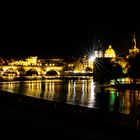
(81,92)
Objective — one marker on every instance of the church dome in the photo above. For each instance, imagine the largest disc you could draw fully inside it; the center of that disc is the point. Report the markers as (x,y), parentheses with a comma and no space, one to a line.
(110,52)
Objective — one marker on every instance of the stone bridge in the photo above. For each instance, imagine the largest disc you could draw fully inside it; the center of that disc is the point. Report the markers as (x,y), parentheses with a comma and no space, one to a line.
(31,70)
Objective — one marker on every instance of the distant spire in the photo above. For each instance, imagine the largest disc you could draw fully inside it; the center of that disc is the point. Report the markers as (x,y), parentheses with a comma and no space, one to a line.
(134,40)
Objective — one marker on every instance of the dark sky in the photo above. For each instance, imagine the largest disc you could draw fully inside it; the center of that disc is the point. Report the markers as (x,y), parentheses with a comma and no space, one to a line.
(68,29)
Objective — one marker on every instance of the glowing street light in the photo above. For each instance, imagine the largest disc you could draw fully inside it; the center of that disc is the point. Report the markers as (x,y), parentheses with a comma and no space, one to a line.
(92,58)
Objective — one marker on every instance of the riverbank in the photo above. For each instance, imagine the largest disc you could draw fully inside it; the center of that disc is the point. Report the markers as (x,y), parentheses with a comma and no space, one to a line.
(130,86)
(27,113)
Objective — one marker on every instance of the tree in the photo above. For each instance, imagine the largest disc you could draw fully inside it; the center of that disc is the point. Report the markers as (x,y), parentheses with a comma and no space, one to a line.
(134,67)
(104,70)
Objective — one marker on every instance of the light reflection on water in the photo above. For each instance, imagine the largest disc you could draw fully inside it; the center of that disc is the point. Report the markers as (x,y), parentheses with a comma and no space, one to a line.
(78,92)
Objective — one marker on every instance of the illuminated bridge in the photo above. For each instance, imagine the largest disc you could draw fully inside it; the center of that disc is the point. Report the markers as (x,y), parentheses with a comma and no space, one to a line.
(19,70)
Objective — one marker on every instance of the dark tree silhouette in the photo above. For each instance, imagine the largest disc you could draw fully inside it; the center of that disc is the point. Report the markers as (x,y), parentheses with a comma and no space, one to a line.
(105,70)
(117,70)
(134,67)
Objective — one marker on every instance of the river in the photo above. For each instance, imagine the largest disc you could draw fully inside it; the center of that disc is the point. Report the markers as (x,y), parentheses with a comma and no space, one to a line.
(81,92)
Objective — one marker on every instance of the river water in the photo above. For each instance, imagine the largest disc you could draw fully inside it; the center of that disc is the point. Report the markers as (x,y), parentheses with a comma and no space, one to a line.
(81,92)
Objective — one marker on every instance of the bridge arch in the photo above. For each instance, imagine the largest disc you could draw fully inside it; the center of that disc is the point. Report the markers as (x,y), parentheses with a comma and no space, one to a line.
(52,72)
(10,71)
(22,71)
(41,70)
(32,72)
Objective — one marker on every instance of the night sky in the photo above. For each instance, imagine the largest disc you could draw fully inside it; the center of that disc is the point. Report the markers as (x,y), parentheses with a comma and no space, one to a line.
(67,30)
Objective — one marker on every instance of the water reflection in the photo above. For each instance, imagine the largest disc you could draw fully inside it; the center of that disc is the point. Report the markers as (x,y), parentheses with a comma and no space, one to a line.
(78,92)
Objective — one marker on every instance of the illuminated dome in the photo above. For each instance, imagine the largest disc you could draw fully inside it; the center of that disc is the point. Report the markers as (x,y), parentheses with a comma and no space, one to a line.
(110,52)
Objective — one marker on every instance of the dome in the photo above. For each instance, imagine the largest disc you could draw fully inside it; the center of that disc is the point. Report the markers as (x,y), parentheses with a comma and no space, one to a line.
(110,52)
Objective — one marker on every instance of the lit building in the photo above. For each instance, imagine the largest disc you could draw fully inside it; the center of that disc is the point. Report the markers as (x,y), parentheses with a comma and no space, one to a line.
(98,54)
(85,62)
(91,61)
(110,53)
